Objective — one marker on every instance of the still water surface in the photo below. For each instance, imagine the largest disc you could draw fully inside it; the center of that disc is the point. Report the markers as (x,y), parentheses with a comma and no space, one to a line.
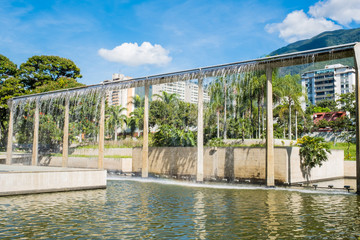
(130,209)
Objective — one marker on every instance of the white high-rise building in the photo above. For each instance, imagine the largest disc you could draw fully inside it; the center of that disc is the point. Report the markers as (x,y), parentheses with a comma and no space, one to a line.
(186,91)
(328,83)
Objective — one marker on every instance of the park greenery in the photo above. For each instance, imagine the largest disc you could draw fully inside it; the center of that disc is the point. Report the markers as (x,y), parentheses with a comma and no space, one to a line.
(235,110)
(313,152)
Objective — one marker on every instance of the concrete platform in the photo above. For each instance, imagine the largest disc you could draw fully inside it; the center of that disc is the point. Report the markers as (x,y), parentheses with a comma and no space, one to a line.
(19,179)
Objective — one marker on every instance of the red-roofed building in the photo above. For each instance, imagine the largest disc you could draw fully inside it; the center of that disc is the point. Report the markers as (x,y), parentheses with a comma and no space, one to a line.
(328,116)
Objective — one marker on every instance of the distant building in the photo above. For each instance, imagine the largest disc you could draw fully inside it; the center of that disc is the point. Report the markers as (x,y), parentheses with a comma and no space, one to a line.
(186,91)
(328,83)
(122,97)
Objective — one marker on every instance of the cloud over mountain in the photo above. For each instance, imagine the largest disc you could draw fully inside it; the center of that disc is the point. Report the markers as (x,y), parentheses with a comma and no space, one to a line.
(327,15)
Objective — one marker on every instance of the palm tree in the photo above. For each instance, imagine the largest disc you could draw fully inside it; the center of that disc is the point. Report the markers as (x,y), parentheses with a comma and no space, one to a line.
(137,101)
(259,83)
(167,98)
(292,96)
(136,119)
(216,101)
(115,118)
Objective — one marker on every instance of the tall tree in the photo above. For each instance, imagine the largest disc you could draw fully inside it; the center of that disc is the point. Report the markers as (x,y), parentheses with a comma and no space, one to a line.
(292,94)
(40,70)
(7,68)
(115,118)
(216,101)
(10,86)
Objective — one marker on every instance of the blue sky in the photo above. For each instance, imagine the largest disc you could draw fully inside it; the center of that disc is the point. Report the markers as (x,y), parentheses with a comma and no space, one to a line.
(140,38)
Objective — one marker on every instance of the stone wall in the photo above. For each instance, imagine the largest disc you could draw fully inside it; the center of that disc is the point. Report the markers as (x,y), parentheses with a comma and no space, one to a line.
(240,162)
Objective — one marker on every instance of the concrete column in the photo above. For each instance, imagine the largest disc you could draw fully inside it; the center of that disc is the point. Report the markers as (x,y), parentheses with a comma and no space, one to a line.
(357,100)
(269,131)
(102,132)
(145,150)
(10,134)
(66,135)
(35,150)
(200,134)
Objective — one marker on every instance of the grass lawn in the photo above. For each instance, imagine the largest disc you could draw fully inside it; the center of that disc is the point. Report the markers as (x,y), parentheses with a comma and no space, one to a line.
(344,146)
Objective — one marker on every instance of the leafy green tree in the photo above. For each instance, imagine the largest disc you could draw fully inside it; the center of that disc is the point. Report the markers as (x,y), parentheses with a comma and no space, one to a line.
(330,104)
(340,125)
(347,103)
(10,86)
(60,83)
(318,109)
(313,152)
(171,136)
(7,68)
(40,70)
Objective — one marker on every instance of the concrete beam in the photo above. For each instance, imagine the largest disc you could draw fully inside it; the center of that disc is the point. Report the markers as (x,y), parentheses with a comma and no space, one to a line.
(35,149)
(357,100)
(200,134)
(269,131)
(10,134)
(102,132)
(145,150)
(66,135)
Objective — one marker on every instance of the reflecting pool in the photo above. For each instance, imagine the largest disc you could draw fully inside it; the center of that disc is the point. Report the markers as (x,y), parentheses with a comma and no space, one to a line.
(139,209)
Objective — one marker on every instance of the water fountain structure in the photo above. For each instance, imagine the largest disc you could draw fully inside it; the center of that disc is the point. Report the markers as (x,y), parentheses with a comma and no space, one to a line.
(266,64)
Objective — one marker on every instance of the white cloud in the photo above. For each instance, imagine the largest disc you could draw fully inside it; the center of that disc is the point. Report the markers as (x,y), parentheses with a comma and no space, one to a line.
(132,54)
(297,25)
(341,11)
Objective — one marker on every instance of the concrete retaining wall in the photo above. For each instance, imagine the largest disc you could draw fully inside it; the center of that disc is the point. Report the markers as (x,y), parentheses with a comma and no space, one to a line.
(241,162)
(350,168)
(107,151)
(119,164)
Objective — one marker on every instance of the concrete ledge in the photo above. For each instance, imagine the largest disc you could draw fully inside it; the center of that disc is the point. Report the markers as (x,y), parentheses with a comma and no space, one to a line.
(30,179)
(119,164)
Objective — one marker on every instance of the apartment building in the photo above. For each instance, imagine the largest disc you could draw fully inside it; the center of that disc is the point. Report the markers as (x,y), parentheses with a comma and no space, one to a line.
(328,83)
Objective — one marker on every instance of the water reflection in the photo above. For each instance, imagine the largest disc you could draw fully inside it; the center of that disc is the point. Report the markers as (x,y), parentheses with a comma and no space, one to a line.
(200,216)
(149,210)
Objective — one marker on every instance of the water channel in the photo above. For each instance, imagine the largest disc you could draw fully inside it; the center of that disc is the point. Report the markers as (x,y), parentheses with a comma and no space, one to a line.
(169,209)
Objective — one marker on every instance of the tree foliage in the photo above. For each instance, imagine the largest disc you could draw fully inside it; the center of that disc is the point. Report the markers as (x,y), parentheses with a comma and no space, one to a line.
(171,136)
(40,70)
(313,152)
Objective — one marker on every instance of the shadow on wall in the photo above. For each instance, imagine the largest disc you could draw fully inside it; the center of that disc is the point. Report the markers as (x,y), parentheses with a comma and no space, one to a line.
(229,168)
(178,161)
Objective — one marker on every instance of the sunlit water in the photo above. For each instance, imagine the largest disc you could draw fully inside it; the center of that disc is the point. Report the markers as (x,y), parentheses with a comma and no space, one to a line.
(135,209)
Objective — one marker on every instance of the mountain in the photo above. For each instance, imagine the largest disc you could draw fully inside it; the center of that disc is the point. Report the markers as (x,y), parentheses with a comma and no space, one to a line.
(325,39)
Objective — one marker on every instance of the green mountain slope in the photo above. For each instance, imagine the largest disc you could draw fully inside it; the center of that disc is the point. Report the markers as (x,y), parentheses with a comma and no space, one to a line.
(324,39)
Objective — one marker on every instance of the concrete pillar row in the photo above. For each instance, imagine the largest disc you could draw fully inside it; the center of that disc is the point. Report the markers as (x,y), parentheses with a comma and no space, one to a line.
(102,132)
(270,182)
(200,134)
(10,134)
(145,149)
(65,152)
(35,149)
(357,100)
